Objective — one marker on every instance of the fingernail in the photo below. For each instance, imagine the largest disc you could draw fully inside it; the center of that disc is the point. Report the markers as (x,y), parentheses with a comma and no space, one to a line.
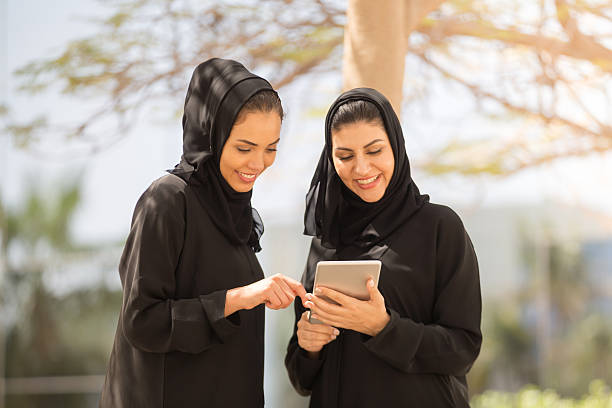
(371,283)
(308,304)
(336,332)
(308,296)
(318,290)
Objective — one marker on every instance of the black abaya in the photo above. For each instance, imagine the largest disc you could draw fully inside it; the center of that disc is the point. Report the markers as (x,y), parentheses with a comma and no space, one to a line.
(429,280)
(192,238)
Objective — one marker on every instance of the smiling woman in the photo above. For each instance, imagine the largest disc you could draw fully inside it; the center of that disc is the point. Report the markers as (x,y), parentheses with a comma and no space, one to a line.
(413,341)
(191,328)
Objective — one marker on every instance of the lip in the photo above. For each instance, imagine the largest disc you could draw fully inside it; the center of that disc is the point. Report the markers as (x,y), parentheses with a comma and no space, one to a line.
(369,185)
(246,180)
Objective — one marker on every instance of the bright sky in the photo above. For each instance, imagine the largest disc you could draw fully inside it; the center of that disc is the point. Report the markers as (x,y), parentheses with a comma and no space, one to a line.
(115,178)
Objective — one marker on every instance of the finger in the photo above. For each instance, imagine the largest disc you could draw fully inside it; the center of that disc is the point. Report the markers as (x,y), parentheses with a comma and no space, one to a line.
(337,324)
(304,324)
(272,298)
(328,319)
(287,290)
(320,328)
(333,295)
(296,287)
(318,303)
(375,294)
(372,290)
(317,337)
(284,293)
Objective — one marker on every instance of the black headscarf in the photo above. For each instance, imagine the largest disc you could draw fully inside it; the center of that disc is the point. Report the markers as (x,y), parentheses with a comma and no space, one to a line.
(338,216)
(217,91)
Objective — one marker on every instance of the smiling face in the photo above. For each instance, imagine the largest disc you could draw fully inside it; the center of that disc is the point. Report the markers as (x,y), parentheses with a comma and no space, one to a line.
(363,159)
(250,149)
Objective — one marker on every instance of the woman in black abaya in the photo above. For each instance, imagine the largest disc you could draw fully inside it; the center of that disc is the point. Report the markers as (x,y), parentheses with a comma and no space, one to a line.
(191,328)
(413,342)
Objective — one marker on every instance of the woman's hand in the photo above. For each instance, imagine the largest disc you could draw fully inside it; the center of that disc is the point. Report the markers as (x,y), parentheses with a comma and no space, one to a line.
(312,337)
(364,316)
(277,292)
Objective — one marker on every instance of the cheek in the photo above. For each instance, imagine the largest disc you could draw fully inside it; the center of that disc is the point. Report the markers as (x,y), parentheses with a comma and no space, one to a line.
(341,169)
(269,159)
(386,165)
(229,162)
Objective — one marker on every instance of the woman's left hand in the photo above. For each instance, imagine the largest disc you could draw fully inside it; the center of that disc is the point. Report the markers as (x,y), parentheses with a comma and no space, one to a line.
(364,316)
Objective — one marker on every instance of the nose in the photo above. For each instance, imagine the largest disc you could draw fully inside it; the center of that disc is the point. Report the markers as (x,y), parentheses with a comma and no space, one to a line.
(256,162)
(362,166)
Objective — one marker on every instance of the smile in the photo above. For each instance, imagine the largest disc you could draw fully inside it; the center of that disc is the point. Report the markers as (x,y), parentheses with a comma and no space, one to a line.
(246,177)
(368,180)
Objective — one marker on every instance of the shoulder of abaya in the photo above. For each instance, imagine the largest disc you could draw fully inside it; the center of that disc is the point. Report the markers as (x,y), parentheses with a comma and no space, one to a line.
(444,217)
(165,193)
(438,216)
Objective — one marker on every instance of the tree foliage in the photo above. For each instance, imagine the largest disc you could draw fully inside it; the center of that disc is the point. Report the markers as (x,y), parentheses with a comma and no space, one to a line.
(543,68)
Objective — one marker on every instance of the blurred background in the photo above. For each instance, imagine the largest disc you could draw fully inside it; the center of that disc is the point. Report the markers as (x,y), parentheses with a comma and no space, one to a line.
(506,110)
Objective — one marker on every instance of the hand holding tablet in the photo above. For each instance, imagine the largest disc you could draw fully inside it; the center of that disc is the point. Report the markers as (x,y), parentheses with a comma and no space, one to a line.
(346,296)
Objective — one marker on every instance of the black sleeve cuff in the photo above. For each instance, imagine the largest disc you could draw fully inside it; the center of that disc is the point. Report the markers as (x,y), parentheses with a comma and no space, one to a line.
(214,307)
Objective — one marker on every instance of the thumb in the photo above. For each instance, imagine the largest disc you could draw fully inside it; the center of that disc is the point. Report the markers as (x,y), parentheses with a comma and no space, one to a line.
(372,289)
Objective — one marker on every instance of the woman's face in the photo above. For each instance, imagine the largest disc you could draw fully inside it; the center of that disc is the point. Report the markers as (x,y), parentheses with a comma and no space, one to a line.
(250,149)
(363,159)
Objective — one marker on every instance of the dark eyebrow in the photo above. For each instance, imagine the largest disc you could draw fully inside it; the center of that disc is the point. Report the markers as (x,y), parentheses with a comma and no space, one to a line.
(366,146)
(255,144)
(247,142)
(372,142)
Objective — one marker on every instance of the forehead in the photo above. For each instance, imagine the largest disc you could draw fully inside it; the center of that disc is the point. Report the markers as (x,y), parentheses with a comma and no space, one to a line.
(358,135)
(257,126)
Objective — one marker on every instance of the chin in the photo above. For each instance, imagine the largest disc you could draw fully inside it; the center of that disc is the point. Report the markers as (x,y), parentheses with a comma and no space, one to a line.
(241,187)
(370,197)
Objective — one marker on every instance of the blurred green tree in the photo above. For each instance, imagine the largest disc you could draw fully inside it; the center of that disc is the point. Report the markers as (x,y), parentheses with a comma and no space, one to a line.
(47,333)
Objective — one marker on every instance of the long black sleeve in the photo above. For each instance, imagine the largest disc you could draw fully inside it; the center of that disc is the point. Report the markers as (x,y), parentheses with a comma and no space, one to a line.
(153,319)
(302,369)
(451,343)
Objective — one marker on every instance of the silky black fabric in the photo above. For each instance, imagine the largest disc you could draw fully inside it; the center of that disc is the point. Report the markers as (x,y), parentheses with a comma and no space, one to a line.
(192,238)
(430,282)
(217,91)
(173,346)
(338,216)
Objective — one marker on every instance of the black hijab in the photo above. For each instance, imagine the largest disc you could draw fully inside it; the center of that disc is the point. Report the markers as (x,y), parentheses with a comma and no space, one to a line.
(217,91)
(338,216)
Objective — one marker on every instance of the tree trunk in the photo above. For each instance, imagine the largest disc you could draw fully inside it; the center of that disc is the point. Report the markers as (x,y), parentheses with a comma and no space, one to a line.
(375,42)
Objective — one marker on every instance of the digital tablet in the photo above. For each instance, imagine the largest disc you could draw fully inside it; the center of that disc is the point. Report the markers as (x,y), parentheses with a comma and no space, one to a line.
(347,277)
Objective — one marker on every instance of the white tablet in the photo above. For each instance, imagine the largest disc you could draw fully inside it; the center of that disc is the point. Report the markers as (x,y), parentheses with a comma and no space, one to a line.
(348,277)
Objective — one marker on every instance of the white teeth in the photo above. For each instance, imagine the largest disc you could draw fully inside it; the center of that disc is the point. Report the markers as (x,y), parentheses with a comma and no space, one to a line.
(248,176)
(367,181)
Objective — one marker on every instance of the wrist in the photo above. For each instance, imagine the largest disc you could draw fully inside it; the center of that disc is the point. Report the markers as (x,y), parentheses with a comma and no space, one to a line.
(381,324)
(233,301)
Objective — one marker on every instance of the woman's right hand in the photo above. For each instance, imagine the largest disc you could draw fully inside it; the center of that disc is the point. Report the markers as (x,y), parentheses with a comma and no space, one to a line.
(276,292)
(312,337)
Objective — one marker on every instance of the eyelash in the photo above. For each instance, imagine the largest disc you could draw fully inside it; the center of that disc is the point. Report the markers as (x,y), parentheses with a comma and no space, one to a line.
(243,150)
(350,157)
